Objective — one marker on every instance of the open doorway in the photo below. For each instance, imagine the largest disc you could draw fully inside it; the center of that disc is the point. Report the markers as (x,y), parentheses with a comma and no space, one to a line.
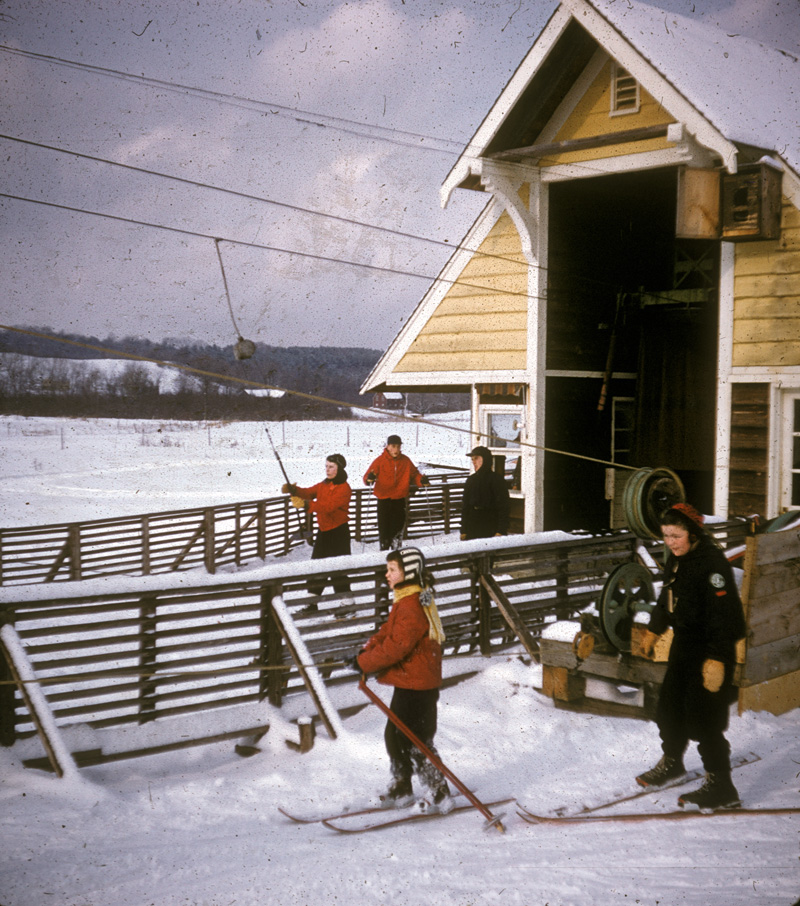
(626,298)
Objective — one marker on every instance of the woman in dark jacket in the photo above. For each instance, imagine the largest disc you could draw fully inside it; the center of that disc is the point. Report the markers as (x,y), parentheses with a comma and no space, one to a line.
(406,653)
(485,506)
(701,603)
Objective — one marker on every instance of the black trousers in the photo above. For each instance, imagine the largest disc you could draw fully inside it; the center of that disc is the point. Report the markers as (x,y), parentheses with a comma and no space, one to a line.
(334,543)
(417,709)
(391,521)
(688,711)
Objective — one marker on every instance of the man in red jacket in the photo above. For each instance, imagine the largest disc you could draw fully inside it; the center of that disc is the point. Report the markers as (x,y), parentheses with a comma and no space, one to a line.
(391,476)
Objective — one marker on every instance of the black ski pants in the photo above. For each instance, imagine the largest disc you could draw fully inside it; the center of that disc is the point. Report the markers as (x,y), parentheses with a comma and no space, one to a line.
(686,710)
(391,521)
(333,543)
(417,709)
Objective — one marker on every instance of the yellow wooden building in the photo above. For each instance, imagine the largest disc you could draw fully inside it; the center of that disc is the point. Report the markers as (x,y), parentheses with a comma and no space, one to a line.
(630,294)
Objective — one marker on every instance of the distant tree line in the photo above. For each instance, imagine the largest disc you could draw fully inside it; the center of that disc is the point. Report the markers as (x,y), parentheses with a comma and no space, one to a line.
(42,377)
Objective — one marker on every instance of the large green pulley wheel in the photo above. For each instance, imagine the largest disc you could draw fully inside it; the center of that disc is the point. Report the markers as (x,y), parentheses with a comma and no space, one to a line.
(647,495)
(628,590)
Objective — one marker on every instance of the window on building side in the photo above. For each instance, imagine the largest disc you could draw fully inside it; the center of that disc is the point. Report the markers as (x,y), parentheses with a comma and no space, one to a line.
(624,92)
(790,491)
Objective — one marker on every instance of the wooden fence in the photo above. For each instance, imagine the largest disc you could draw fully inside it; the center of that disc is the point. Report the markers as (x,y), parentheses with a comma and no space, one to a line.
(141,651)
(209,537)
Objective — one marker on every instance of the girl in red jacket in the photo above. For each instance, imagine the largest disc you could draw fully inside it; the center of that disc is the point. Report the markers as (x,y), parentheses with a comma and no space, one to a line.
(330,500)
(406,653)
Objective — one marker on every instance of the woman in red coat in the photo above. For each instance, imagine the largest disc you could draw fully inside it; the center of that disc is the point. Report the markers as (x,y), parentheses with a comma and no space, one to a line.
(330,501)
(406,653)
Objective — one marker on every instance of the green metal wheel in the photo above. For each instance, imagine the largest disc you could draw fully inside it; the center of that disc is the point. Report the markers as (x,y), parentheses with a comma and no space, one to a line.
(628,590)
(648,493)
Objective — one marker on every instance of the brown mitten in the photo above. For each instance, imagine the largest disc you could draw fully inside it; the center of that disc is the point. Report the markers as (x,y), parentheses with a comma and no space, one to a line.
(713,675)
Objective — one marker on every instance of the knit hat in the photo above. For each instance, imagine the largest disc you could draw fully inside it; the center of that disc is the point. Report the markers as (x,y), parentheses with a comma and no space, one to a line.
(393,439)
(341,462)
(413,562)
(690,512)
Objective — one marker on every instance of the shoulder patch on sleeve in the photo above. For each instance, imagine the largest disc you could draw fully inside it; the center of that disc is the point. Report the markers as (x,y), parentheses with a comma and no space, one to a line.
(717,580)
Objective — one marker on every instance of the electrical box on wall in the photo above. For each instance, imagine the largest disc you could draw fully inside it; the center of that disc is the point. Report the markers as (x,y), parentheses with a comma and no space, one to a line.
(751,203)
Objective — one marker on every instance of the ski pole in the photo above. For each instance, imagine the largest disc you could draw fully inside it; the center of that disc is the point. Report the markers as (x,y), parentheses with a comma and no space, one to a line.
(303,528)
(492,820)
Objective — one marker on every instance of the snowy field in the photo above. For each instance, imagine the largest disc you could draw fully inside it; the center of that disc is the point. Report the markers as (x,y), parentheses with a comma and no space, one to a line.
(202,828)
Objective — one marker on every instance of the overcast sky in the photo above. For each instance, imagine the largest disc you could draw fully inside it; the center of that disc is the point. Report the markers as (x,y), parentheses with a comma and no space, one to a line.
(271,115)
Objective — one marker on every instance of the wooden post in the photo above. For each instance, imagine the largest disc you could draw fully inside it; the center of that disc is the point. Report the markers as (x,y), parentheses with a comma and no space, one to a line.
(307,733)
(446,504)
(261,529)
(147,659)
(209,540)
(484,606)
(8,704)
(359,495)
(145,545)
(74,548)
(563,609)
(270,651)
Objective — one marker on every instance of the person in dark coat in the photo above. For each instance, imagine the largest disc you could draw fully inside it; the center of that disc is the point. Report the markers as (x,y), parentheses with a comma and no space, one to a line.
(485,507)
(700,601)
(329,500)
(406,653)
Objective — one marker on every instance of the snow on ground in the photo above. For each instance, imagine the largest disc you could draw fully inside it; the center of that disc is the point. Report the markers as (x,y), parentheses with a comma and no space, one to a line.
(201,827)
(61,470)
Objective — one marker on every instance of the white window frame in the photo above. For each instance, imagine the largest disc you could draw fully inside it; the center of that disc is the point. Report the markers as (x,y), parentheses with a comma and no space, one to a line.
(618,73)
(788,432)
(486,411)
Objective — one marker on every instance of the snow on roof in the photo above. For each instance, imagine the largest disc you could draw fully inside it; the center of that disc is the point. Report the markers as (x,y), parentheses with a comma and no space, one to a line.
(748,90)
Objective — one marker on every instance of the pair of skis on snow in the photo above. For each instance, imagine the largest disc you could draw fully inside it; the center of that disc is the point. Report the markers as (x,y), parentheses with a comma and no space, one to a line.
(363,820)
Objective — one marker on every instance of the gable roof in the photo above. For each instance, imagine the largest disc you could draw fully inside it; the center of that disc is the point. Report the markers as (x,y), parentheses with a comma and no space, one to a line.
(738,96)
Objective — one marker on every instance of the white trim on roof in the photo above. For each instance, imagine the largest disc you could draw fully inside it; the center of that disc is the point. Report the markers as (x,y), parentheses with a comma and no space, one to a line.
(653,81)
(505,103)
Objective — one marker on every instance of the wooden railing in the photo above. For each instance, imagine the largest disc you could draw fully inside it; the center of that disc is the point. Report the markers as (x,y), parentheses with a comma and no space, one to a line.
(155,649)
(209,537)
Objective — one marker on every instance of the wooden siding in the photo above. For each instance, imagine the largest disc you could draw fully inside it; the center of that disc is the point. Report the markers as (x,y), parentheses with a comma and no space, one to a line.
(749,437)
(592,117)
(481,323)
(766,326)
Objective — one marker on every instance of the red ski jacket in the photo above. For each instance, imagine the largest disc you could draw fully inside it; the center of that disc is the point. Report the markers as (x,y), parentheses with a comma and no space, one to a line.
(331,503)
(394,476)
(401,651)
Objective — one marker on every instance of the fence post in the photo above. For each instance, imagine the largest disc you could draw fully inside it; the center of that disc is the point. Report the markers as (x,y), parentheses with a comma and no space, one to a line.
(147,659)
(446,504)
(8,702)
(261,529)
(270,684)
(563,609)
(74,548)
(2,559)
(145,545)
(209,540)
(359,495)
(484,604)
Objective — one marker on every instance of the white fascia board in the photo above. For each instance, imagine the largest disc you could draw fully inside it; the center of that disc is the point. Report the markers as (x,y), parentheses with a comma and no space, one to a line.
(788,375)
(382,373)
(505,102)
(653,81)
(456,378)
(625,163)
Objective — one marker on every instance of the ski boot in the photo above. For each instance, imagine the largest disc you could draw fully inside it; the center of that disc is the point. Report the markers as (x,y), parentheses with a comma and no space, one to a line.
(716,792)
(668,768)
(399,795)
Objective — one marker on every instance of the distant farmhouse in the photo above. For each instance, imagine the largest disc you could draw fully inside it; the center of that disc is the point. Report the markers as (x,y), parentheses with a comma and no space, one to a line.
(631,291)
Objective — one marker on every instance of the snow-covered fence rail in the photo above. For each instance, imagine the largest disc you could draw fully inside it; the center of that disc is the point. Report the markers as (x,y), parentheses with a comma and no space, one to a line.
(209,537)
(196,658)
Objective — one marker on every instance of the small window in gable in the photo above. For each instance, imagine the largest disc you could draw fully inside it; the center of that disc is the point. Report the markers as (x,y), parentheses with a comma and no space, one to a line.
(624,92)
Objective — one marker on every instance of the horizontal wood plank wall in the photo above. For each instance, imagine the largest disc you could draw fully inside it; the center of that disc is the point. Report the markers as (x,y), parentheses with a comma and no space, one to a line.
(481,324)
(592,117)
(766,313)
(771,596)
(749,437)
